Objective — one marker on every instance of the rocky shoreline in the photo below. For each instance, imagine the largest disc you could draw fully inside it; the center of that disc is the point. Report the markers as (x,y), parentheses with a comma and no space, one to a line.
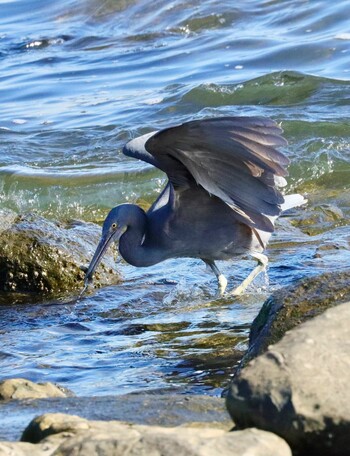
(290,397)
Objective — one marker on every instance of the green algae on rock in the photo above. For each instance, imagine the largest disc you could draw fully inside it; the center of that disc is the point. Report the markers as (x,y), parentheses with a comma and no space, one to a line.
(44,256)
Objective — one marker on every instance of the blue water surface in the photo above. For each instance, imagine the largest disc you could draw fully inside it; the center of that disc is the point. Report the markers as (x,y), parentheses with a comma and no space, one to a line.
(80,78)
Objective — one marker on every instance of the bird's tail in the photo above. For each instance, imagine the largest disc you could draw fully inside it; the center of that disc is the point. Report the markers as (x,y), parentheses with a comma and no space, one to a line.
(290,201)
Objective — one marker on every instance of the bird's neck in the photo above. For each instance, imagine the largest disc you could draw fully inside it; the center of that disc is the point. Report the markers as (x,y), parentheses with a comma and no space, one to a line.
(132,246)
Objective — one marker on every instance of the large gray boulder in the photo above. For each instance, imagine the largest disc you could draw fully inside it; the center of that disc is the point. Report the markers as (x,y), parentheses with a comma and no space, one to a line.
(69,435)
(44,256)
(299,388)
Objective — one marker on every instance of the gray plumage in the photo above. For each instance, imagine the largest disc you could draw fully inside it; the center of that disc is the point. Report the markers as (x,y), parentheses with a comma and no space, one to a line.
(221,199)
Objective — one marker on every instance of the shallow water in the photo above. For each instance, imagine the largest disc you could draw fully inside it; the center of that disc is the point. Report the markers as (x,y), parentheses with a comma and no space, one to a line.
(78,79)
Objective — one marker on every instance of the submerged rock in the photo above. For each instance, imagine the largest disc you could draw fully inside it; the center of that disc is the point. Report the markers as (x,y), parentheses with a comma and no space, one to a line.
(299,388)
(20,388)
(68,434)
(44,256)
(152,408)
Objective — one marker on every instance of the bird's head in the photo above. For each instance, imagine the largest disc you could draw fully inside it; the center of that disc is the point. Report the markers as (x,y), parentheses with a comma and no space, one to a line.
(114,226)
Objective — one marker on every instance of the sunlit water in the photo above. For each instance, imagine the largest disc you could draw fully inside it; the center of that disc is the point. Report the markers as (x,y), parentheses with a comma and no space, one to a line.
(78,79)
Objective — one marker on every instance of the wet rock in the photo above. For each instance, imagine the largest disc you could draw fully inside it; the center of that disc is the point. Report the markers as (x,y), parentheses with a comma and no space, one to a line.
(299,388)
(20,388)
(293,305)
(76,436)
(44,256)
(316,219)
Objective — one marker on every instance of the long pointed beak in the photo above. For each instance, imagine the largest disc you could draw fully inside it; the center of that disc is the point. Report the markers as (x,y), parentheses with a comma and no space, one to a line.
(103,245)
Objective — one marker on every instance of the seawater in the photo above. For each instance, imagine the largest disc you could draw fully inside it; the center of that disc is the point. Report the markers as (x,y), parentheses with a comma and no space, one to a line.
(79,79)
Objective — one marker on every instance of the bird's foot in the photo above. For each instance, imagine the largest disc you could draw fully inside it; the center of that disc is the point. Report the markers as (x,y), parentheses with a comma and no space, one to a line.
(239,290)
(262,263)
(222,284)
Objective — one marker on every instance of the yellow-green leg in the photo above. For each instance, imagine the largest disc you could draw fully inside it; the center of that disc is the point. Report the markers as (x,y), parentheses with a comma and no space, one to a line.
(261,267)
(222,281)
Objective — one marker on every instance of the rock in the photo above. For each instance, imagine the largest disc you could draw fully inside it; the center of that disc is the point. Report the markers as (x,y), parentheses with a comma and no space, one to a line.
(293,305)
(55,423)
(76,436)
(19,388)
(299,388)
(44,256)
(318,218)
(26,449)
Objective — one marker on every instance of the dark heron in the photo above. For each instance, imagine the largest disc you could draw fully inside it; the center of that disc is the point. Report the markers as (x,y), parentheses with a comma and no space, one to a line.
(220,201)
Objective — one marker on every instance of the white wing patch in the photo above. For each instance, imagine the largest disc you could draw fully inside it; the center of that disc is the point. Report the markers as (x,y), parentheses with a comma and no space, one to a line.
(137,145)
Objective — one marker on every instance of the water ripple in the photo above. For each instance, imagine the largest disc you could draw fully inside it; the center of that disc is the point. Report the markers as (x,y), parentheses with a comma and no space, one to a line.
(78,80)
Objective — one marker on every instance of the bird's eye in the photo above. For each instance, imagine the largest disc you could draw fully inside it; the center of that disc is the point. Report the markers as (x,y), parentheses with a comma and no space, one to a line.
(114,226)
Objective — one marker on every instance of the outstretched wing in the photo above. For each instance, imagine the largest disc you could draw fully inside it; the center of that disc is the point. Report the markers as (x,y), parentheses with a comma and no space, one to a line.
(233,158)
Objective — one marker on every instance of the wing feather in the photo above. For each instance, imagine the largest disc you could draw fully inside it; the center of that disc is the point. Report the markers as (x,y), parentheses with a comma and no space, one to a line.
(233,158)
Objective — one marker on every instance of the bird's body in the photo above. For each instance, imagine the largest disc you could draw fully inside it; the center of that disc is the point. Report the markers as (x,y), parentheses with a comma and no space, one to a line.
(221,199)
(167,230)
